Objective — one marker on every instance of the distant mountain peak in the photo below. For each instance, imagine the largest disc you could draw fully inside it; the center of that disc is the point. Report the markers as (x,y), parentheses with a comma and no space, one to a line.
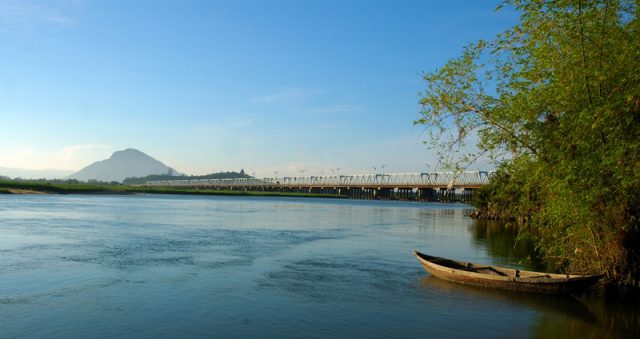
(121,165)
(129,153)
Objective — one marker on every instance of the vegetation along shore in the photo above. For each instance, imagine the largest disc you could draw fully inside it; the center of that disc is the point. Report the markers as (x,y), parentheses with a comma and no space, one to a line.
(20,187)
(562,117)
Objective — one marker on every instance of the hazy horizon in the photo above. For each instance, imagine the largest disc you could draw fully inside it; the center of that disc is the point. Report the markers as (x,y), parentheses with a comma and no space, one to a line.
(294,87)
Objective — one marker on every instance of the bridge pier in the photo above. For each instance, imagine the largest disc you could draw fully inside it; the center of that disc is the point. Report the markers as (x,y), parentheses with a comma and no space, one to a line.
(467,195)
(371,193)
(384,193)
(447,195)
(405,194)
(427,194)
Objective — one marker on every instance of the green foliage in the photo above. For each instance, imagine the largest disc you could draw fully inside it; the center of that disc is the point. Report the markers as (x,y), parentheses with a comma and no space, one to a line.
(557,98)
(48,187)
(75,188)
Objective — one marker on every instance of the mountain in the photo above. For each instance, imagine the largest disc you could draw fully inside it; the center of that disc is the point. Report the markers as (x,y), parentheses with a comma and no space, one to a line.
(121,165)
(33,174)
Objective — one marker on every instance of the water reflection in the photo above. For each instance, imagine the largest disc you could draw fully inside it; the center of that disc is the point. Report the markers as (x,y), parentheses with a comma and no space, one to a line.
(504,243)
(555,316)
(556,305)
(612,320)
(587,316)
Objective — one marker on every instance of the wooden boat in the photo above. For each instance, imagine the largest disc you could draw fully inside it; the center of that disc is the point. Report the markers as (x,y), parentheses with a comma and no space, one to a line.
(505,278)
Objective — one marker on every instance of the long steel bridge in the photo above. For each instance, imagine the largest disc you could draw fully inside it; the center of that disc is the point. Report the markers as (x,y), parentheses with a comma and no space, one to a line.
(426,186)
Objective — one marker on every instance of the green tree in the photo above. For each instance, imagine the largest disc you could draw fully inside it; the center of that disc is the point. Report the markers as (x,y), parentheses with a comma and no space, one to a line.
(558,97)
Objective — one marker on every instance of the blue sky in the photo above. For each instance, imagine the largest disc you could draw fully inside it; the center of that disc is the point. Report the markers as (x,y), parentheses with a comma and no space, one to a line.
(206,86)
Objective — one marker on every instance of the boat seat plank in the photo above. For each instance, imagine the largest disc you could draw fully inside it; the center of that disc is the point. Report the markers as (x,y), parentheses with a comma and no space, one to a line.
(486,268)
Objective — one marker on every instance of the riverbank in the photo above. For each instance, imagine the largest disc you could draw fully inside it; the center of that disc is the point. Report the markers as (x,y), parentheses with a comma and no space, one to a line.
(14,187)
(611,288)
(19,191)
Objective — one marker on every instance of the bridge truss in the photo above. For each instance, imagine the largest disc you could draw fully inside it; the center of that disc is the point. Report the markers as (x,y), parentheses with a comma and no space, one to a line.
(450,180)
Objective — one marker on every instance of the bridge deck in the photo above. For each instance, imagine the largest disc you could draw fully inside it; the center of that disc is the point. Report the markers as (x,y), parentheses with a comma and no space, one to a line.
(450,180)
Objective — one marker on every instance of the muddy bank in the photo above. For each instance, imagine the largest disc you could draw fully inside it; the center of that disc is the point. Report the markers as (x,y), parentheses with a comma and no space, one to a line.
(19,191)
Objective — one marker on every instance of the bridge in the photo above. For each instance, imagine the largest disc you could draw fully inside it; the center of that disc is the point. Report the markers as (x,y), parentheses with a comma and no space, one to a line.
(428,186)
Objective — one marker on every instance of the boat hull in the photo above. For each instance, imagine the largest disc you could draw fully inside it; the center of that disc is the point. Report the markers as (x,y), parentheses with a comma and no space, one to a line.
(504,278)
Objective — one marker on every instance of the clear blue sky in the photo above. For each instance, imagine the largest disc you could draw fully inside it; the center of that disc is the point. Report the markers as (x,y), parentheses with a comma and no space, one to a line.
(222,85)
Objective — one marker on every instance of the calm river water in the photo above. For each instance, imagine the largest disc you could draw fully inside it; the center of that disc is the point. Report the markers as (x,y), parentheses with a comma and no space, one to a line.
(182,266)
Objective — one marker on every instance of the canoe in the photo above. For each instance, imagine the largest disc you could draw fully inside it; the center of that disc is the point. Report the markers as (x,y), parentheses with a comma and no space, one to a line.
(505,278)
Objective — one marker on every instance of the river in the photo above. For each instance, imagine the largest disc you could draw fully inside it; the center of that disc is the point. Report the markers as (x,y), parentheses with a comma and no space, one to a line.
(207,266)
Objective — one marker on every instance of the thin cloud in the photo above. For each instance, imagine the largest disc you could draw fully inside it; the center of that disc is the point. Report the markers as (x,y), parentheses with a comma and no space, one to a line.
(330,125)
(335,109)
(77,156)
(286,96)
(224,126)
(68,158)
(71,152)
(239,122)
(20,15)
